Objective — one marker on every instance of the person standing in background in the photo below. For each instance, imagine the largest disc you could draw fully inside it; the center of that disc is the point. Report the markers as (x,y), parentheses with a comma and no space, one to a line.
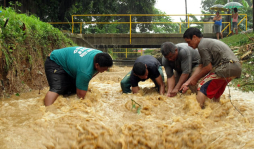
(234,21)
(217,25)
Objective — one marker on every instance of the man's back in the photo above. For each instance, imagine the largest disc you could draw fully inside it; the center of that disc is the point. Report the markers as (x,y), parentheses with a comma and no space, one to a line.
(78,62)
(148,60)
(215,52)
(74,59)
(219,55)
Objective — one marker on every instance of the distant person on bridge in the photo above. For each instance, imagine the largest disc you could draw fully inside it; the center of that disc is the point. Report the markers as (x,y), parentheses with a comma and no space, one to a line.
(234,21)
(145,67)
(69,71)
(218,66)
(218,25)
(179,61)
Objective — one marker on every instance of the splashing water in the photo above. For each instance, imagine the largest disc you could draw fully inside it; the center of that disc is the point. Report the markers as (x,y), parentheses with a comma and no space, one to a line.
(107,119)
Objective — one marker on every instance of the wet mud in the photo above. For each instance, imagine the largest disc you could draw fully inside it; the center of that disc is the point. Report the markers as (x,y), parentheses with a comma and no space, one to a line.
(108,119)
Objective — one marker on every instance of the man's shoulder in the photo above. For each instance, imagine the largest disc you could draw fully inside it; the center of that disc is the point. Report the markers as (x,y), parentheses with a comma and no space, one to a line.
(205,41)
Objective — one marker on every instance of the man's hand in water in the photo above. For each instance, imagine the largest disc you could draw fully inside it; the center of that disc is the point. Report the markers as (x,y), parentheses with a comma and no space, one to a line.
(173,93)
(184,88)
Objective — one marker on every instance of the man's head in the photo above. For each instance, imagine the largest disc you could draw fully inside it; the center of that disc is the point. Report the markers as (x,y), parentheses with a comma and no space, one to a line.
(169,51)
(102,61)
(192,36)
(140,70)
(217,13)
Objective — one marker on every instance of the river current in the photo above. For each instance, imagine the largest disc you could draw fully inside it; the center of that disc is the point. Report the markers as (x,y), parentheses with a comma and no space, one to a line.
(108,119)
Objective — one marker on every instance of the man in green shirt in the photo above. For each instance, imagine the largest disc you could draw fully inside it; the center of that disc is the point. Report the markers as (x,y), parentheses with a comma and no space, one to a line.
(70,69)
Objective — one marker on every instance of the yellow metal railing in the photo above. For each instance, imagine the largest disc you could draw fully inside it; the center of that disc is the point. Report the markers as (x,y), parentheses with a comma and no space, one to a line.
(134,15)
(126,52)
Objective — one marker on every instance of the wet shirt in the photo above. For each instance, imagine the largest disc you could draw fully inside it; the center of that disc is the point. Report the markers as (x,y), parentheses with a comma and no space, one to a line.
(78,62)
(219,55)
(152,66)
(187,59)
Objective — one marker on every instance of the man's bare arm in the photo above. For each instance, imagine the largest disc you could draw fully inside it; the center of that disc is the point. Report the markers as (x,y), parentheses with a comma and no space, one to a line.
(182,79)
(220,17)
(160,82)
(204,71)
(176,89)
(198,74)
(171,84)
(135,89)
(184,87)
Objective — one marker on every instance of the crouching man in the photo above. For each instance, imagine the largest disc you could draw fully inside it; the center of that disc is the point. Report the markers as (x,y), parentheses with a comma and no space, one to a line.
(179,61)
(69,71)
(218,66)
(145,67)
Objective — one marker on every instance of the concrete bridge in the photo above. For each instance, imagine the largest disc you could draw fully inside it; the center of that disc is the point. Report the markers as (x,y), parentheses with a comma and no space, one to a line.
(104,41)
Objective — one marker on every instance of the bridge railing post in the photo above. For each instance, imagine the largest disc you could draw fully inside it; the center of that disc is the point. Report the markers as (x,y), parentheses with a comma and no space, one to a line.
(180,25)
(80,28)
(130,32)
(126,52)
(72,27)
(188,21)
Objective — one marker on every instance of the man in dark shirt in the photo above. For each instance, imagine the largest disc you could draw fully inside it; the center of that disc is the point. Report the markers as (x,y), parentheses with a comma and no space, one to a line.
(145,67)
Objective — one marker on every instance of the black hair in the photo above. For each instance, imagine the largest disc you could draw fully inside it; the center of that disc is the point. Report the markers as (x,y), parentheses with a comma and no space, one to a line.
(103,59)
(192,31)
(235,10)
(167,47)
(139,69)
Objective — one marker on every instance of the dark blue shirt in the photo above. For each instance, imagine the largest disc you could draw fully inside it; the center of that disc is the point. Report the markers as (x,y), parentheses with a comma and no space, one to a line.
(152,66)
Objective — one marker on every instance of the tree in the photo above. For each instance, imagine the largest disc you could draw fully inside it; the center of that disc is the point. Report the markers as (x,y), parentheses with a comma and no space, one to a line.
(61,11)
(164,28)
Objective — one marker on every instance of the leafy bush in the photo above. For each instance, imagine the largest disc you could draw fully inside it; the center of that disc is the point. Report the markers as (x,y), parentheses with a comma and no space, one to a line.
(22,33)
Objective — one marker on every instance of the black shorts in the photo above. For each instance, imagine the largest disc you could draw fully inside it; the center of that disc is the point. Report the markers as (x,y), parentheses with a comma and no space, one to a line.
(59,80)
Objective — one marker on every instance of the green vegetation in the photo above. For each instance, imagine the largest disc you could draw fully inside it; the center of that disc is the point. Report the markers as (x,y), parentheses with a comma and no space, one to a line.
(19,29)
(25,42)
(239,40)
(148,51)
(243,47)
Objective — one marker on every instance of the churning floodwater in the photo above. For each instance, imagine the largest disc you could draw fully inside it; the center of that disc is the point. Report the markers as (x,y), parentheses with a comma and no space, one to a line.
(107,119)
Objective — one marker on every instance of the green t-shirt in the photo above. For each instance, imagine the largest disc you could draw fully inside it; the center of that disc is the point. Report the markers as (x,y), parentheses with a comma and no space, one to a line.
(78,62)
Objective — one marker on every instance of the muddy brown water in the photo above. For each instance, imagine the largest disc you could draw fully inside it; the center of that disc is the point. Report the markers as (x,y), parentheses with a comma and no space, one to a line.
(107,119)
